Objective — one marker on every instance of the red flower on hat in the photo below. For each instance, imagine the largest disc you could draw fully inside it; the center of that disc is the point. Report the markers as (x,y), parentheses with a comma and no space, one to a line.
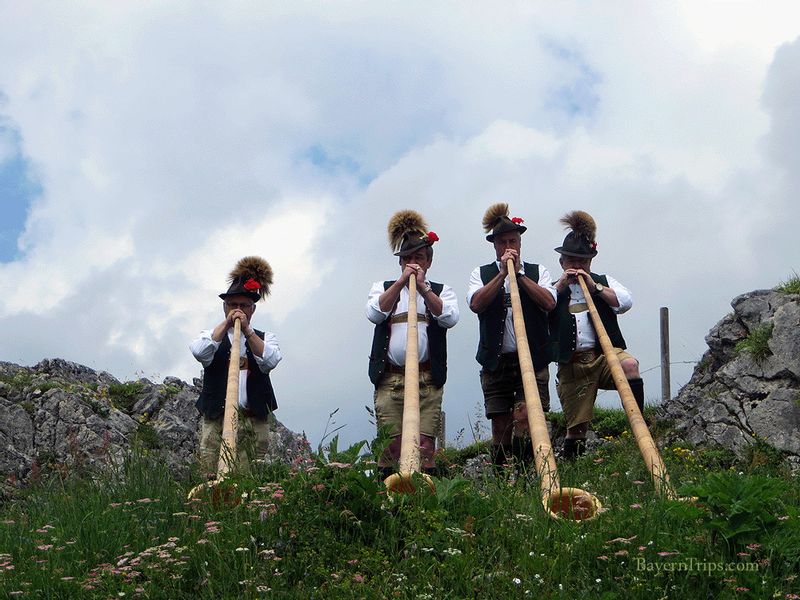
(594,245)
(517,220)
(252,285)
(432,237)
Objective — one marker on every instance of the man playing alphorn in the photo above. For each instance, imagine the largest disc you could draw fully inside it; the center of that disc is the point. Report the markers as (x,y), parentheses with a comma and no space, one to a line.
(488,296)
(250,281)
(387,308)
(582,367)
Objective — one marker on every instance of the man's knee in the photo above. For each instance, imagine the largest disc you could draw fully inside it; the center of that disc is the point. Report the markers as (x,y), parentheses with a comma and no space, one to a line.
(630,366)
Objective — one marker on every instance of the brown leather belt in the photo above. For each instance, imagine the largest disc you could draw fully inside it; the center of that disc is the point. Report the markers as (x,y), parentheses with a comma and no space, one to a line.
(584,356)
(423,366)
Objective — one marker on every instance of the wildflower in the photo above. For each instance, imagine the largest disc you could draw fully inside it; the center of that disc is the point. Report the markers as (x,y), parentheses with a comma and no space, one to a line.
(353,561)
(621,553)
(637,505)
(451,551)
(319,487)
(602,557)
(263,588)
(358,578)
(622,540)
(638,482)
(742,589)
(516,580)
(45,547)
(753,546)
(598,580)
(179,514)
(662,554)
(427,549)
(240,549)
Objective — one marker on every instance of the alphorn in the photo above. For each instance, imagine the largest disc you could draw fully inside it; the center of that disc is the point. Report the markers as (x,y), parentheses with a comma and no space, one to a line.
(570,503)
(230,419)
(401,482)
(647,446)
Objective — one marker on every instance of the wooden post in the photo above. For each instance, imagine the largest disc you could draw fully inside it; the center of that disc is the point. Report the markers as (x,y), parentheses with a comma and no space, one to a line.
(666,393)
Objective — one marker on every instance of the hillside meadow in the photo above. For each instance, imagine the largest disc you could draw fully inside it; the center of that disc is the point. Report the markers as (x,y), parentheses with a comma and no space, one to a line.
(324,527)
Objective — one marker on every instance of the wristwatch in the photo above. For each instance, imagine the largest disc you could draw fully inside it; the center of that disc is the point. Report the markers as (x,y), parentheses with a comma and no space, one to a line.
(598,289)
(425,288)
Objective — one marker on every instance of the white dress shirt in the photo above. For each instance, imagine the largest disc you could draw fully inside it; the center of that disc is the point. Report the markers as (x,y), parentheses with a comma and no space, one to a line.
(509,337)
(204,347)
(585,334)
(399,331)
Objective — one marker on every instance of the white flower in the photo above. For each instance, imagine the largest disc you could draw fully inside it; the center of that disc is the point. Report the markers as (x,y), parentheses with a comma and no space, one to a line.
(452,551)
(598,580)
(517,580)
(240,549)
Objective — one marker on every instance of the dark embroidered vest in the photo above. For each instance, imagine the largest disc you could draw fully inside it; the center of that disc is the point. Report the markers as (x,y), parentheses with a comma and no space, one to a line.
(260,395)
(563,328)
(437,345)
(492,322)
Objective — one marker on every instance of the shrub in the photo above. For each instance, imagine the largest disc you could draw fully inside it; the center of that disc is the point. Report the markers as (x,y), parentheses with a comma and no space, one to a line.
(124,395)
(739,509)
(757,343)
(790,286)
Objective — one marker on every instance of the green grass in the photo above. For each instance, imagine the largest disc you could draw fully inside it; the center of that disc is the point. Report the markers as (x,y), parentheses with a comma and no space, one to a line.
(323,529)
(790,286)
(124,395)
(757,343)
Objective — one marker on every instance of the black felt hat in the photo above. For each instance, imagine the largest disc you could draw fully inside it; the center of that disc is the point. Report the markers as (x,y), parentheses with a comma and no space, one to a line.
(251,277)
(497,221)
(408,232)
(580,241)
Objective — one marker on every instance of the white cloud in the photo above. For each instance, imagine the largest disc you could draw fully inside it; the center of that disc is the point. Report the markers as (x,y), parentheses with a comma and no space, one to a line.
(171,140)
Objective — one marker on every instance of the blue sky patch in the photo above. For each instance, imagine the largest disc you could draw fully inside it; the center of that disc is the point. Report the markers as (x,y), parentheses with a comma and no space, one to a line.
(336,164)
(577,97)
(18,188)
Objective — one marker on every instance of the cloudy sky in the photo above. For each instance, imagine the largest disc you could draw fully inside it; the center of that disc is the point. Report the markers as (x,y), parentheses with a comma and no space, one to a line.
(146,146)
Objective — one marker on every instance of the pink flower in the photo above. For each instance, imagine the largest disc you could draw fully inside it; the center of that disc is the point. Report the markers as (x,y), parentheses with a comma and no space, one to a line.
(637,505)
(358,578)
(319,487)
(668,553)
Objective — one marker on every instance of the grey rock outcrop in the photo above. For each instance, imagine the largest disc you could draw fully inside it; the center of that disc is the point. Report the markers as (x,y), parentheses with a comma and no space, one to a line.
(734,399)
(61,414)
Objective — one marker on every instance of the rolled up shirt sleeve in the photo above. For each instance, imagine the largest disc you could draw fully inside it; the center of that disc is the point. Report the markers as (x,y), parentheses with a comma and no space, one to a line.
(623,295)
(203,348)
(374,313)
(449,316)
(546,282)
(271,356)
(475,283)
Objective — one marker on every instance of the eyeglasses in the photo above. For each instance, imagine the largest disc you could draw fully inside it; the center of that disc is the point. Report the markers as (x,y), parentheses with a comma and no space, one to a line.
(239,305)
